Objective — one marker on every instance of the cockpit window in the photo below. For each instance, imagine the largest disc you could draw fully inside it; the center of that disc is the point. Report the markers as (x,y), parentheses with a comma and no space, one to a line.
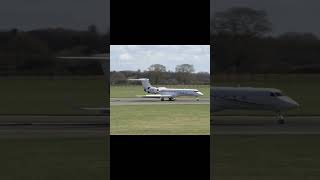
(278,94)
(275,94)
(195,91)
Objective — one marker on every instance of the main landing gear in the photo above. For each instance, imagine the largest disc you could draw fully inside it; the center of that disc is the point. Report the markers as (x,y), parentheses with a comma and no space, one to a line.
(198,99)
(280,119)
(170,99)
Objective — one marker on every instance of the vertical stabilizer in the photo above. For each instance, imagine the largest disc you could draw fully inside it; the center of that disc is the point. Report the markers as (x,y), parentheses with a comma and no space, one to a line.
(145,82)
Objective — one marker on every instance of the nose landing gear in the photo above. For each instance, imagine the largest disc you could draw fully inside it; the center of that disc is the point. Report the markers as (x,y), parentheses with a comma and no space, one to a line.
(280,119)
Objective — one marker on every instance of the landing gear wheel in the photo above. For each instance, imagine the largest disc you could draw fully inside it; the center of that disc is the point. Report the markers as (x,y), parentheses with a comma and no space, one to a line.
(281,119)
(198,99)
(162,99)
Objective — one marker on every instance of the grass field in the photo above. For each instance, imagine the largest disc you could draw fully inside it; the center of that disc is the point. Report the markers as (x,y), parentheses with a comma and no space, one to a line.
(133,90)
(160,119)
(265,157)
(48,95)
(54,158)
(302,88)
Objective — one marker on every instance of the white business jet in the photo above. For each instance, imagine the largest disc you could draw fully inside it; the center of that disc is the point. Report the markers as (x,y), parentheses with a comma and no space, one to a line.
(248,98)
(163,92)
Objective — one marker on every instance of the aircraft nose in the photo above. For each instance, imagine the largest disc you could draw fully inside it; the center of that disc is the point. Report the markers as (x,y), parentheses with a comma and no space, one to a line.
(290,103)
(295,103)
(200,93)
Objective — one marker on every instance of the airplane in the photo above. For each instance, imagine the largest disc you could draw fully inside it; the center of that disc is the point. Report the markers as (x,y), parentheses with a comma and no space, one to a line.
(102,59)
(248,98)
(163,92)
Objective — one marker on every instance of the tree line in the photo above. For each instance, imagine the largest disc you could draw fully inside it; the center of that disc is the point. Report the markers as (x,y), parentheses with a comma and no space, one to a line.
(242,42)
(158,75)
(34,52)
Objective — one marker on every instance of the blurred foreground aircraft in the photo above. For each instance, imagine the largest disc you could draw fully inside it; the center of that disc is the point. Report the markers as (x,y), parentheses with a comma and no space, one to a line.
(102,59)
(248,98)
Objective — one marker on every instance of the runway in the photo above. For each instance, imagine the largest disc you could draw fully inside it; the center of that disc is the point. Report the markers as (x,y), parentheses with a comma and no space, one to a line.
(98,126)
(151,101)
(53,126)
(264,125)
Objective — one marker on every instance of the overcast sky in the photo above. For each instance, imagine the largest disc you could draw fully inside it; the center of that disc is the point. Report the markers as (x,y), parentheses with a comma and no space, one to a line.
(34,14)
(286,15)
(134,57)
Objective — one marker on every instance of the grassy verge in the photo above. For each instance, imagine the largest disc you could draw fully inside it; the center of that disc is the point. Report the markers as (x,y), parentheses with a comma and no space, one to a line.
(277,157)
(160,119)
(48,95)
(54,158)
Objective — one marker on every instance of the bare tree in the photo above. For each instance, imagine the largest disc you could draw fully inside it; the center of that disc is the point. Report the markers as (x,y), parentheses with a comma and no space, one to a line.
(117,78)
(184,72)
(156,72)
(185,68)
(93,29)
(241,21)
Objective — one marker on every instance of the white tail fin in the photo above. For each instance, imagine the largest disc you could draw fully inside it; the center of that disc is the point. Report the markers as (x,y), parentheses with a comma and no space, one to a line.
(145,82)
(102,58)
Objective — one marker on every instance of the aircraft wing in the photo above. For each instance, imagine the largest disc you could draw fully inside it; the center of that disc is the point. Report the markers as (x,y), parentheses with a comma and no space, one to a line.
(155,96)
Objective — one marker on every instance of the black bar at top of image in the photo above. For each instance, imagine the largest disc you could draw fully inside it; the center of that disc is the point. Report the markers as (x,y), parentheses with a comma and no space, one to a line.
(160,157)
(160,22)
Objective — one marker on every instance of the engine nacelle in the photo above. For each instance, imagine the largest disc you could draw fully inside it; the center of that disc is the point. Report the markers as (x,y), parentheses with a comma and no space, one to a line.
(152,90)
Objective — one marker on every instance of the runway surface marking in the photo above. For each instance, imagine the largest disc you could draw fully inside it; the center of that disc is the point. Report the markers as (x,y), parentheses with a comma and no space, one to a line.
(53,126)
(264,125)
(52,119)
(146,101)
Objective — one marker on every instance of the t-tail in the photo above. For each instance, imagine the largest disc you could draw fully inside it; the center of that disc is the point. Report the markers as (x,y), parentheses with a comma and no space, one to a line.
(101,58)
(147,87)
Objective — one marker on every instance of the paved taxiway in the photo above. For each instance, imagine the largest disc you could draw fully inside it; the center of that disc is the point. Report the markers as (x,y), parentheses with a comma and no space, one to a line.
(264,125)
(53,126)
(151,101)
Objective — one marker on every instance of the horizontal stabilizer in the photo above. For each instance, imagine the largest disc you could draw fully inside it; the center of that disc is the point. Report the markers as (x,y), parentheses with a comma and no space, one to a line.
(100,58)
